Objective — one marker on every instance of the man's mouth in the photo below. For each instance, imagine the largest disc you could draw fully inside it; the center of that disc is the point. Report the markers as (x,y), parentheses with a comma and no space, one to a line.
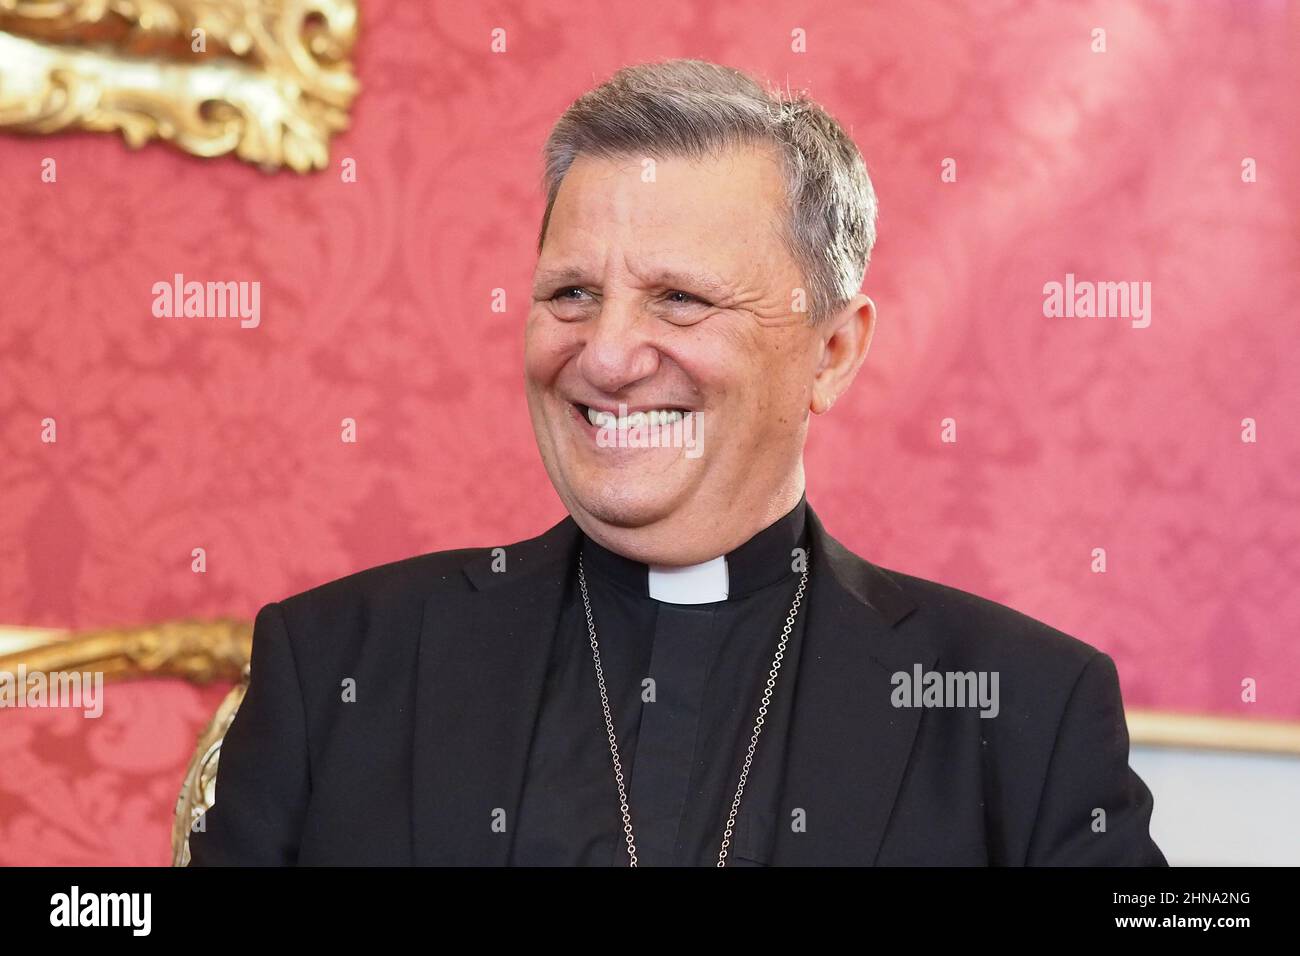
(641,418)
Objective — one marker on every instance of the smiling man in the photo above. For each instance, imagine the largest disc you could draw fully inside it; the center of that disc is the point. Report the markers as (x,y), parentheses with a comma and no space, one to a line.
(687,670)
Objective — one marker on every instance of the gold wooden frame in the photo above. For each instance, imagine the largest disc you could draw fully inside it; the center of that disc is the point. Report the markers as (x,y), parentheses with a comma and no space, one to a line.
(272,81)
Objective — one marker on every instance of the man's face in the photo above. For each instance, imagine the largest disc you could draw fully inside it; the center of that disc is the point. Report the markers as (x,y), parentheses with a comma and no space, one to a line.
(671,292)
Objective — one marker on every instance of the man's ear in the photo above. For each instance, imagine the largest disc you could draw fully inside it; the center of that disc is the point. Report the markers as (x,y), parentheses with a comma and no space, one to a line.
(846,336)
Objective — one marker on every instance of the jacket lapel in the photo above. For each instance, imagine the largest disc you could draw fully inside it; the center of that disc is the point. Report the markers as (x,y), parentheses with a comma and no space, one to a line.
(481,670)
(848,746)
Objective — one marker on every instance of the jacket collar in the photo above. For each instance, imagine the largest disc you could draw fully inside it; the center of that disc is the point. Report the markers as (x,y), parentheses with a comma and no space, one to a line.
(765,559)
(482,665)
(552,554)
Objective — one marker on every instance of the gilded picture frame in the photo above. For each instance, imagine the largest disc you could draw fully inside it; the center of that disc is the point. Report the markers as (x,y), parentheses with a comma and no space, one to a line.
(269,81)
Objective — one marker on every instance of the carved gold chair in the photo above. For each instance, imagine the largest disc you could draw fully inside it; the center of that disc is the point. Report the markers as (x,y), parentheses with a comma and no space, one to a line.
(199,652)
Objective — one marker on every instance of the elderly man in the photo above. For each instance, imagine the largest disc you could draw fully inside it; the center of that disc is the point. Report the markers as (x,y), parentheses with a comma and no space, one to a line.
(687,670)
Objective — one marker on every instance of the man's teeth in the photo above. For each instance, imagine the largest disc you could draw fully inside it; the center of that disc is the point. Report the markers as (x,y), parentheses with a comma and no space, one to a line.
(654,417)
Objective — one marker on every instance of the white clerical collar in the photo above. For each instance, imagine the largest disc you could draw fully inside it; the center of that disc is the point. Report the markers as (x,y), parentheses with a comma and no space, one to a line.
(701,583)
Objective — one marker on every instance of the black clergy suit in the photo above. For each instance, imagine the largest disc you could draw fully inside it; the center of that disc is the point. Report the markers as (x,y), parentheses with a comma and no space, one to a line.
(467,742)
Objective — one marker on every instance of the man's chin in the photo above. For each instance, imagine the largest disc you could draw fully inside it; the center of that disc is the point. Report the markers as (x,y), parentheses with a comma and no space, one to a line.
(629,508)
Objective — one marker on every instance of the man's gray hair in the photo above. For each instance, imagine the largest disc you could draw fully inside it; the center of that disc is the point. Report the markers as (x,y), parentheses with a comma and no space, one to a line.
(692,108)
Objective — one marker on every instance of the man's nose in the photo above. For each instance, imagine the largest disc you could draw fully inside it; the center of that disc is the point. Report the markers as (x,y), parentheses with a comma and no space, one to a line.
(618,352)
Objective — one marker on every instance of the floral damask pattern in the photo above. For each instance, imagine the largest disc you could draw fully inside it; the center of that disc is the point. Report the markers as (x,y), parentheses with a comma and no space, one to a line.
(1073,434)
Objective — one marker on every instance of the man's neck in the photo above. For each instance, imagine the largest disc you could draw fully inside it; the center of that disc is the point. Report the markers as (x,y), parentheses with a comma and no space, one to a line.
(765,559)
(684,541)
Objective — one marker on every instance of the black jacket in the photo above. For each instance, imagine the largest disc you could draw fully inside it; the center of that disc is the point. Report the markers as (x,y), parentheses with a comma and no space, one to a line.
(449,658)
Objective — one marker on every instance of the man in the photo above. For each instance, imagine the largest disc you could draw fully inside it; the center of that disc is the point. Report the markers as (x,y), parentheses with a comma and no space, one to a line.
(687,670)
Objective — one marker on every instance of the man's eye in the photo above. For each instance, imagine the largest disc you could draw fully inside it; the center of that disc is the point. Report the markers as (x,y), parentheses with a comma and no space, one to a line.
(678,297)
(570,294)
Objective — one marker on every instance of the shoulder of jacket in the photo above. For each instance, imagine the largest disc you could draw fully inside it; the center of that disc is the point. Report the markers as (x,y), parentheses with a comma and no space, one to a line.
(966,627)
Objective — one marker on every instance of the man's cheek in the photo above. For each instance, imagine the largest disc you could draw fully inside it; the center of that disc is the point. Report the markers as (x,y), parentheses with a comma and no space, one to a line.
(553,340)
(543,356)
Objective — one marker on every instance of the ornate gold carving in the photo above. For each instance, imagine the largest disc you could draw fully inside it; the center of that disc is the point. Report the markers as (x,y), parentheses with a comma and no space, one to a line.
(272,83)
(198,651)
(199,789)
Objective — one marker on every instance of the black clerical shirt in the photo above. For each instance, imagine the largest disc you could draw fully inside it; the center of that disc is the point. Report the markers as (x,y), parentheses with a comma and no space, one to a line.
(684,682)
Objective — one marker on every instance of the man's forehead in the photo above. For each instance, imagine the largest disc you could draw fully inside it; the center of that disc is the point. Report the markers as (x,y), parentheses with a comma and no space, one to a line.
(701,220)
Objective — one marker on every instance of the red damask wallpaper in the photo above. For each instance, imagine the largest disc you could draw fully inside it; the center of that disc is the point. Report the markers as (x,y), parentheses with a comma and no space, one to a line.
(1008,153)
